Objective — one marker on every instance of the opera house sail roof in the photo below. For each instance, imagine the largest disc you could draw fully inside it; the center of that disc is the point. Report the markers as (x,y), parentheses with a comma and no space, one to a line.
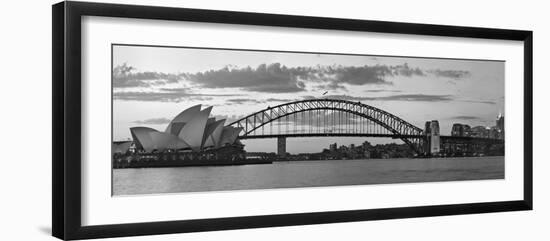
(213,134)
(185,116)
(191,129)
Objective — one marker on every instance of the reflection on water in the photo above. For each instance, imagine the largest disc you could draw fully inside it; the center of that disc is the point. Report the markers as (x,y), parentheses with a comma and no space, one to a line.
(304,174)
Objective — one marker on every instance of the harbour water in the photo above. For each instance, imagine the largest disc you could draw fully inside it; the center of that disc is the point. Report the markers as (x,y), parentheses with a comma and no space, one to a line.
(304,174)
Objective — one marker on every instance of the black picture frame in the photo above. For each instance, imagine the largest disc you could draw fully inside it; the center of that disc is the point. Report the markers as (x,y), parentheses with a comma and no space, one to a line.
(66,127)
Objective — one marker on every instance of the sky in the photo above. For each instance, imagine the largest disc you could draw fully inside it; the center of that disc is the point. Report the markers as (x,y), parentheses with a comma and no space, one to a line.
(151,85)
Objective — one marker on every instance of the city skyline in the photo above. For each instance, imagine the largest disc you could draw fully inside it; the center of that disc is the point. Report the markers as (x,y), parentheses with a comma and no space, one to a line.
(153,84)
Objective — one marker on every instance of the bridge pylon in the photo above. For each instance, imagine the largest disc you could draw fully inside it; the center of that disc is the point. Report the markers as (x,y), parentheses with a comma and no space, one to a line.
(432,145)
(281,146)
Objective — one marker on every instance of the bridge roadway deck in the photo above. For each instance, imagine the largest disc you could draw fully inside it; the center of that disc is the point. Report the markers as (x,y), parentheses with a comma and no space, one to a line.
(330,134)
(443,138)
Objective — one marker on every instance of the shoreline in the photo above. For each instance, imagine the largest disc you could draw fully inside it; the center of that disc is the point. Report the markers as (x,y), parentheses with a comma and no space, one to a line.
(202,163)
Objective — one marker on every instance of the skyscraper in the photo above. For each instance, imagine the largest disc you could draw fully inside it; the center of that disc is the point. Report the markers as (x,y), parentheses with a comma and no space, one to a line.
(500,126)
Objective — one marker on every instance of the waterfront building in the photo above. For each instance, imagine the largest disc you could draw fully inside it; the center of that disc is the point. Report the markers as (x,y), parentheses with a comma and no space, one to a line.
(433,137)
(467,130)
(191,130)
(461,130)
(500,126)
(457,130)
(343,148)
(494,133)
(500,121)
(480,132)
(174,127)
(366,145)
(366,154)
(333,147)
(121,147)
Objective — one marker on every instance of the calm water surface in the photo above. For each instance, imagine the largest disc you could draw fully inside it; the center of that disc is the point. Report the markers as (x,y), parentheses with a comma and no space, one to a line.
(304,174)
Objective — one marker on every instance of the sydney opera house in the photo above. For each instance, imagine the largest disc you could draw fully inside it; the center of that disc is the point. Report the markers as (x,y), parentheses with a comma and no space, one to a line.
(192,129)
(190,136)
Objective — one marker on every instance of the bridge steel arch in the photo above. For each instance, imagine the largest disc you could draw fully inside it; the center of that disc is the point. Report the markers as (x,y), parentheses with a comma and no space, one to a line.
(399,128)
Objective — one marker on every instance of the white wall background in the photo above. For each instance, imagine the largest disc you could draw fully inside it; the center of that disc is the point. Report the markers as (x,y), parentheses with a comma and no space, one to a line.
(25,100)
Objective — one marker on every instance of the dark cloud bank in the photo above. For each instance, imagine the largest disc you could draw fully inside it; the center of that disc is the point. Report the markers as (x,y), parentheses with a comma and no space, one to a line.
(454,74)
(124,76)
(164,95)
(257,101)
(153,121)
(277,78)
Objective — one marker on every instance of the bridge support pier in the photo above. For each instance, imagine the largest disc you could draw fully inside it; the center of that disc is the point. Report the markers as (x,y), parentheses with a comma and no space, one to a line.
(281,146)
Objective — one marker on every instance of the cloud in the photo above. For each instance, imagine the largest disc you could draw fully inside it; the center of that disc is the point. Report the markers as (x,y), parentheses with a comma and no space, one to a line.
(362,75)
(331,86)
(171,95)
(405,70)
(272,78)
(277,78)
(465,117)
(240,101)
(417,97)
(407,97)
(454,74)
(374,74)
(124,77)
(343,97)
(280,100)
(255,101)
(175,90)
(153,121)
(379,90)
(481,102)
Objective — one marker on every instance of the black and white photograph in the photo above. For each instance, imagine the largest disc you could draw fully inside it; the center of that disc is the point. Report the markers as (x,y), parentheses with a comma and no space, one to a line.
(275,120)
(194,119)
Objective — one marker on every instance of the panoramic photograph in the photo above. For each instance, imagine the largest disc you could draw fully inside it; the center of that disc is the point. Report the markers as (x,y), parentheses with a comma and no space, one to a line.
(191,119)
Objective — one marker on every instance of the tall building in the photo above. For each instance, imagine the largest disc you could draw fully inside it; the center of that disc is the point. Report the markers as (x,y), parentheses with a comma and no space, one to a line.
(460,130)
(457,130)
(494,133)
(333,147)
(467,130)
(435,139)
(480,132)
(500,125)
(427,132)
(427,128)
(500,121)
(432,136)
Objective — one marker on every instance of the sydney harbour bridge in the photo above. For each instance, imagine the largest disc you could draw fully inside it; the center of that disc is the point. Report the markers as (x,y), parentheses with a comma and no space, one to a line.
(344,118)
